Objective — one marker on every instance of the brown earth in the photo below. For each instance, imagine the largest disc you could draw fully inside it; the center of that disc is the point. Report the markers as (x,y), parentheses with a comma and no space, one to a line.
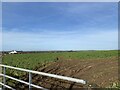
(98,73)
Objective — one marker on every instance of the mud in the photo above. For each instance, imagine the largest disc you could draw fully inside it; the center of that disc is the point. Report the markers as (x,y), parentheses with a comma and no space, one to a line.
(98,73)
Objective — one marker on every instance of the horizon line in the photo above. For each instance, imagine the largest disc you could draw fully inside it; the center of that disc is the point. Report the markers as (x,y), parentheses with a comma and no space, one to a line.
(61,50)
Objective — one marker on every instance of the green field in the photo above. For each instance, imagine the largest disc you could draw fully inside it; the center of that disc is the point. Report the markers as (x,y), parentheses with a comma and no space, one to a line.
(31,60)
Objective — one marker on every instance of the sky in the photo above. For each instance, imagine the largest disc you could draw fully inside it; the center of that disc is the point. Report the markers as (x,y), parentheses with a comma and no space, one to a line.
(59,26)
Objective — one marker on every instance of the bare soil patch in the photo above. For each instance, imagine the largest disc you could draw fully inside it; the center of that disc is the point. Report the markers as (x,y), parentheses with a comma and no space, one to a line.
(98,73)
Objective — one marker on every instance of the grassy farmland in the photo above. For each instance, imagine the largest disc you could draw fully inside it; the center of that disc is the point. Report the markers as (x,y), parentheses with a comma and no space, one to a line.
(31,60)
(36,61)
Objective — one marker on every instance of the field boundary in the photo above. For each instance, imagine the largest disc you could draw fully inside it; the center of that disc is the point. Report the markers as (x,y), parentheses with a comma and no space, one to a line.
(30,77)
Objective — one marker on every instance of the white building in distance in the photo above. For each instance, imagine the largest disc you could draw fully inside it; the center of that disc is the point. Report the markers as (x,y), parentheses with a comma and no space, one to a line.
(13,52)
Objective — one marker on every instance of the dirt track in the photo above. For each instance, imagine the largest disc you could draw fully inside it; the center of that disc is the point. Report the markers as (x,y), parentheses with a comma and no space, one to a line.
(101,72)
(98,73)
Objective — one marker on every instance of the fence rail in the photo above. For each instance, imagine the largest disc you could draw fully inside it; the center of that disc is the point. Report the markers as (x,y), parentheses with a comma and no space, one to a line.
(30,77)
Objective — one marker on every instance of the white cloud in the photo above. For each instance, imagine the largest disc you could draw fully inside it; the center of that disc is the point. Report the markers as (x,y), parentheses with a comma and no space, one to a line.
(64,40)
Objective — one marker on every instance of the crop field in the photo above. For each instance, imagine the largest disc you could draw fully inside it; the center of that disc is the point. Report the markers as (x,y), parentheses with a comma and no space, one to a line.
(95,66)
(31,60)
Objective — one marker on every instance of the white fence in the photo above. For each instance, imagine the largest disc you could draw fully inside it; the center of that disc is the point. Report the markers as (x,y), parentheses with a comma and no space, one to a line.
(30,78)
